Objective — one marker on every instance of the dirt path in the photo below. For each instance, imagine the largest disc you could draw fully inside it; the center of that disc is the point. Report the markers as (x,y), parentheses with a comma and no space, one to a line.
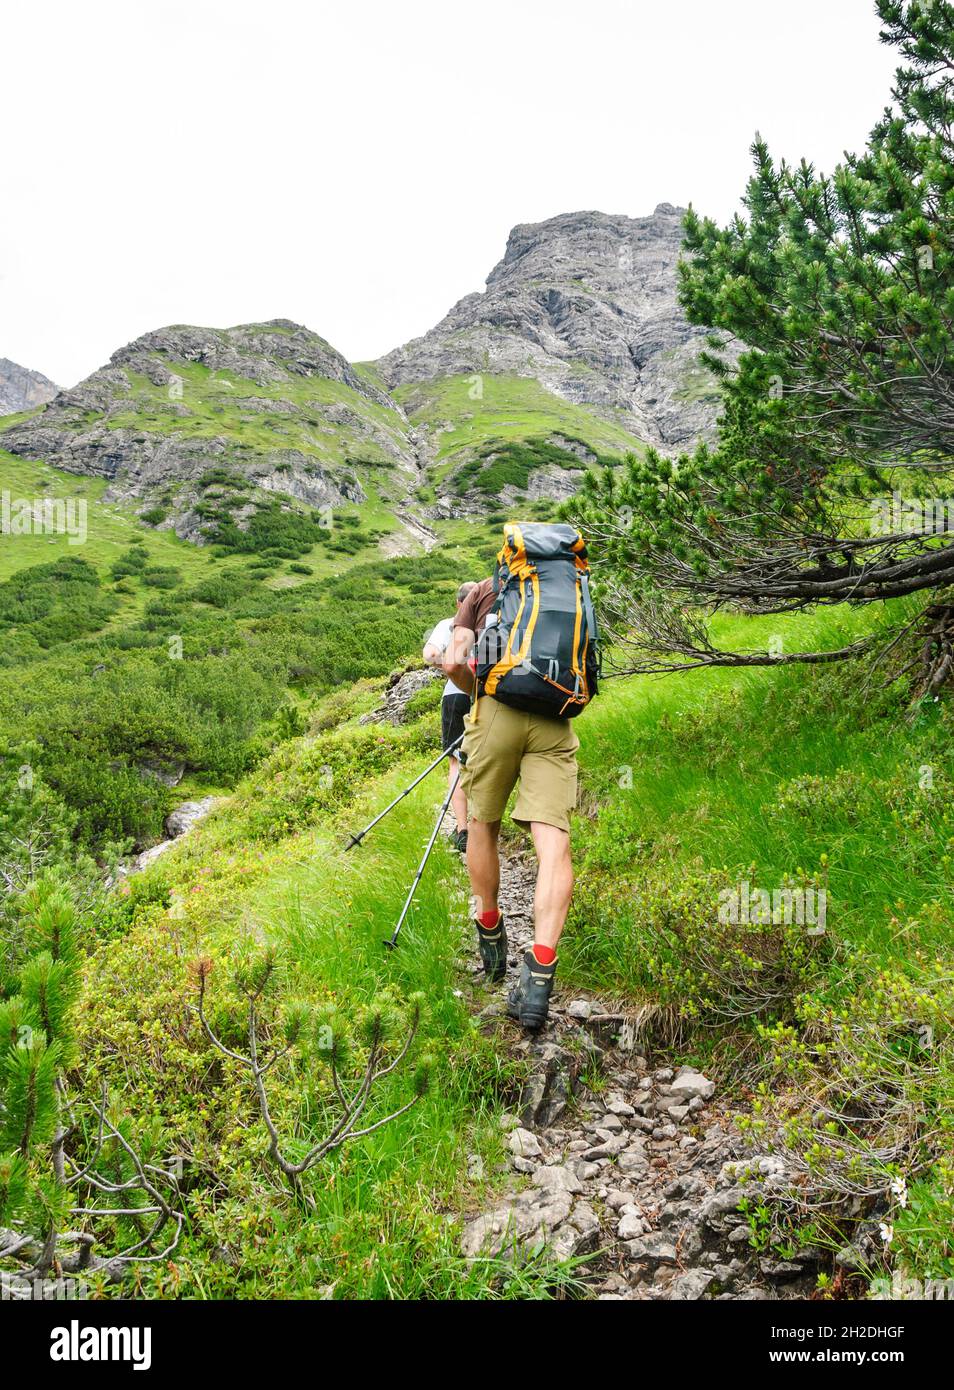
(634,1158)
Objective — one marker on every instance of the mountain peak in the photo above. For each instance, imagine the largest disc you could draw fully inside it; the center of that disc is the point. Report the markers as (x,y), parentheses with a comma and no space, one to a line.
(585,302)
(275,350)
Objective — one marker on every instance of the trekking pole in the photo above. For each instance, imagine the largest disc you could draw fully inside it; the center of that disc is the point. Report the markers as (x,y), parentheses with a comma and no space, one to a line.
(356,839)
(392,939)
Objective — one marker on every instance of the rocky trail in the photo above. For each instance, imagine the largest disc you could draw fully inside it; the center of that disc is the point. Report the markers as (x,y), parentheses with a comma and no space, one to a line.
(619,1157)
(628,1159)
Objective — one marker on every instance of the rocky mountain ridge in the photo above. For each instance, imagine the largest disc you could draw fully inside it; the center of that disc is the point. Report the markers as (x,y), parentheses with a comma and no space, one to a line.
(577,350)
(586,304)
(272,402)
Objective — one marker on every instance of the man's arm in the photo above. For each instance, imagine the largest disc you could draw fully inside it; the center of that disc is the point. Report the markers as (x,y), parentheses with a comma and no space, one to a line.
(457,659)
(433,655)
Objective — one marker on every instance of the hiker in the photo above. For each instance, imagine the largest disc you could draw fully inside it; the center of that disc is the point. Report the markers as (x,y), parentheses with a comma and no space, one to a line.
(519,730)
(455,703)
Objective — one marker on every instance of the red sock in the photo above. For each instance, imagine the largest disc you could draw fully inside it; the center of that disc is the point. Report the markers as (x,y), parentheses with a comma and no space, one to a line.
(488,920)
(544,955)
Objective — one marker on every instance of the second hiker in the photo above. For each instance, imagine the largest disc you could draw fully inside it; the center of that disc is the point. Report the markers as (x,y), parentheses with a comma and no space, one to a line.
(455,703)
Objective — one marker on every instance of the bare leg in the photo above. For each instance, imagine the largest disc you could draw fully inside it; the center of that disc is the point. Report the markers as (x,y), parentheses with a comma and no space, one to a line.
(483,863)
(551,901)
(458,800)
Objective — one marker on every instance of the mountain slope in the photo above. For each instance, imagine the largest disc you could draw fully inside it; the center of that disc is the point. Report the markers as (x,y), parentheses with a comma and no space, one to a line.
(576,353)
(22,389)
(585,303)
(260,409)
(505,438)
(652,852)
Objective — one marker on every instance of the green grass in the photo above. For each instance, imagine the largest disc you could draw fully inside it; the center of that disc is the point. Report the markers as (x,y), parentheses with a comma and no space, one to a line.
(772,770)
(510,409)
(375,1222)
(807,777)
(111,529)
(213,406)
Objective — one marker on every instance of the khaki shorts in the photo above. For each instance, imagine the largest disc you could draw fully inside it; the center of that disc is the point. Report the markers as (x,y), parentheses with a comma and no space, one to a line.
(503,745)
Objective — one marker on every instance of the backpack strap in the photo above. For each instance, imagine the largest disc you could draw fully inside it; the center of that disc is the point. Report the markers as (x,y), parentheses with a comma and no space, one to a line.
(510,658)
(591,627)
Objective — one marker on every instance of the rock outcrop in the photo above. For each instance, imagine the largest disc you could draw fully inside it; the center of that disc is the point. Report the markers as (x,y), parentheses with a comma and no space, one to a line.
(21,389)
(180,821)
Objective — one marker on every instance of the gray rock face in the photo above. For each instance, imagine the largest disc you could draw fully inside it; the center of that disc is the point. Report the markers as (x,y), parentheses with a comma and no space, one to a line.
(184,817)
(21,389)
(586,304)
(402,688)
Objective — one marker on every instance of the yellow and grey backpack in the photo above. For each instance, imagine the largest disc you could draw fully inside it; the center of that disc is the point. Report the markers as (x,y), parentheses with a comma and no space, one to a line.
(539,650)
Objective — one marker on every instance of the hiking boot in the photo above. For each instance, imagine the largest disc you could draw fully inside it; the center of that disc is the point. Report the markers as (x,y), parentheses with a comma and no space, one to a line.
(529,1001)
(493,949)
(460,841)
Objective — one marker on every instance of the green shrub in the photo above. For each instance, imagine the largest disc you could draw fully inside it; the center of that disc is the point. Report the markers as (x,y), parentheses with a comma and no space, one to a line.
(161,577)
(274,528)
(425,701)
(499,464)
(222,590)
(56,603)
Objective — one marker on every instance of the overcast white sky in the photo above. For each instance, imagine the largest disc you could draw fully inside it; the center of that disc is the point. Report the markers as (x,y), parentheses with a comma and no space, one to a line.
(357,166)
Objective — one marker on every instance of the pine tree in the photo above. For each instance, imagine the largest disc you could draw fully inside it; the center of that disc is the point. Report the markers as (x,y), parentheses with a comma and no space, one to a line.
(43,1180)
(834,465)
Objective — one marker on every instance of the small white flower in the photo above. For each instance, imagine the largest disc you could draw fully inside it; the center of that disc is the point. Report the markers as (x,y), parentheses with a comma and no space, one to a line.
(899,1189)
(887,1232)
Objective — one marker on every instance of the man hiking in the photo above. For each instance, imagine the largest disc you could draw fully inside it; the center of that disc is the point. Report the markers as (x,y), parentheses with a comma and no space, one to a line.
(455,704)
(524,646)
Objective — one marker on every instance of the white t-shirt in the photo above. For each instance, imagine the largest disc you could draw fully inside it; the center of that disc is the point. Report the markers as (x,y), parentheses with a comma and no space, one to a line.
(440,638)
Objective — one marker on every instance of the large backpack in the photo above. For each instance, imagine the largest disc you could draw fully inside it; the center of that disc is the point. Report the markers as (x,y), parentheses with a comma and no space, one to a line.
(539,650)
